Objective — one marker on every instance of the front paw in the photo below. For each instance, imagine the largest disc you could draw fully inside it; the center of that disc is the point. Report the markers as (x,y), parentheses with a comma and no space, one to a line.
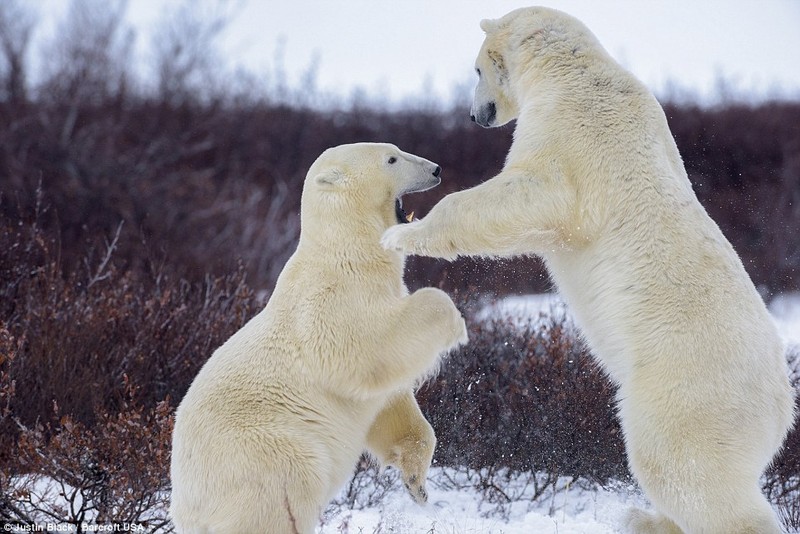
(399,238)
(442,313)
(415,238)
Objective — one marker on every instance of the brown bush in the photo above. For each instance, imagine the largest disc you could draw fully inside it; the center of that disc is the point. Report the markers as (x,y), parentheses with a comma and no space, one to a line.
(75,336)
(114,472)
(744,163)
(525,399)
(202,186)
(782,480)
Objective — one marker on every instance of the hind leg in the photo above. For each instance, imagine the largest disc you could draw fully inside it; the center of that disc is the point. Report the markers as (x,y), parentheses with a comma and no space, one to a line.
(245,490)
(639,521)
(755,517)
(294,514)
(269,502)
(698,492)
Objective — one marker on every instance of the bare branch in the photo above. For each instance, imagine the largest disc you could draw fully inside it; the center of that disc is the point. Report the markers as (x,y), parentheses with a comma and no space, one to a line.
(101,273)
(16,28)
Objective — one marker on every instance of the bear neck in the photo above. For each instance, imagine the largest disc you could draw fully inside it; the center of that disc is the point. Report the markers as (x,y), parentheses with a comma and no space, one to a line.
(560,64)
(360,244)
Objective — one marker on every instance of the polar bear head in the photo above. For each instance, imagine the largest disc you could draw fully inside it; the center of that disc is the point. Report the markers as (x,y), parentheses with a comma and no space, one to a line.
(520,49)
(361,186)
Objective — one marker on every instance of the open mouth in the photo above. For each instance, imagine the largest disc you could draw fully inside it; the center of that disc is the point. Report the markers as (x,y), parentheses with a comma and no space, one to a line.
(402,216)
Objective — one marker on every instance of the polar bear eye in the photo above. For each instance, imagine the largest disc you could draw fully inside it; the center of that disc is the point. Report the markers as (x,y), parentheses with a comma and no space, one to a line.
(392,160)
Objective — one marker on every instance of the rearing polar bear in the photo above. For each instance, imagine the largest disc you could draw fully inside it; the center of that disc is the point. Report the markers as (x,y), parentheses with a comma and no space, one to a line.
(594,184)
(273,424)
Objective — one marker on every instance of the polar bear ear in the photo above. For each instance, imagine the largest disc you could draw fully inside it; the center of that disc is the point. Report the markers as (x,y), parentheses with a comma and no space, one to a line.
(489,25)
(330,179)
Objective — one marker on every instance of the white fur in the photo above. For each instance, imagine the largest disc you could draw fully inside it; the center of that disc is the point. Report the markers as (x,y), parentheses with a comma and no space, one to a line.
(275,421)
(594,184)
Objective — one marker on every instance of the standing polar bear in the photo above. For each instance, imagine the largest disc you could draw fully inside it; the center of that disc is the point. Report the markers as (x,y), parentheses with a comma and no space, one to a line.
(594,184)
(275,421)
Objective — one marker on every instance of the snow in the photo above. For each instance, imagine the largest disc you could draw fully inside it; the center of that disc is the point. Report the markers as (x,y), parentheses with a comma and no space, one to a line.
(529,309)
(524,310)
(785,310)
(572,510)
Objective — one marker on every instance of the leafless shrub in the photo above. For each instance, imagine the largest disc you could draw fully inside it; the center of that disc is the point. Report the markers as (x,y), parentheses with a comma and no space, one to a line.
(79,334)
(367,488)
(745,167)
(782,480)
(16,28)
(500,488)
(8,386)
(84,443)
(526,400)
(185,56)
(88,60)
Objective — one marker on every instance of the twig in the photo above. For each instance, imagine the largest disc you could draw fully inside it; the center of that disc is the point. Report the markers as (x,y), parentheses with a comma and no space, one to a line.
(99,274)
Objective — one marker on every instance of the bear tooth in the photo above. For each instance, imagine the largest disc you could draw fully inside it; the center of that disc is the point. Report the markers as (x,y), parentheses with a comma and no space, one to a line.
(410,217)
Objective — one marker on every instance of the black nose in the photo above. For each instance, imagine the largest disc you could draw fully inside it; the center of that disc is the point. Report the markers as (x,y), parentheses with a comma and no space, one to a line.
(437,171)
(472,117)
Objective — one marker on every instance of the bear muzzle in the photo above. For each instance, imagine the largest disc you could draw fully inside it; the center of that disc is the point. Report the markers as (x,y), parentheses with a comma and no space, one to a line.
(428,183)
(485,116)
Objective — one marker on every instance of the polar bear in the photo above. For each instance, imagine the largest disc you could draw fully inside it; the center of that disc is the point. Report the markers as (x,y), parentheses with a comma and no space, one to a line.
(593,183)
(275,421)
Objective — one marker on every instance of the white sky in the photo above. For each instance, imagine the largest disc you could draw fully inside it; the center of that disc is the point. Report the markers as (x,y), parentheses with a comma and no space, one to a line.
(400,48)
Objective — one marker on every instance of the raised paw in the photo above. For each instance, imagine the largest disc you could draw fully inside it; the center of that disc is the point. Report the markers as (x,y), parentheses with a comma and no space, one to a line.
(441,310)
(417,238)
(398,238)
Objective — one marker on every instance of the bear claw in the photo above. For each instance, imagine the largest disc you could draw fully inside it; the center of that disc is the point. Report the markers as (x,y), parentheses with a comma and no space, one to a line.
(417,491)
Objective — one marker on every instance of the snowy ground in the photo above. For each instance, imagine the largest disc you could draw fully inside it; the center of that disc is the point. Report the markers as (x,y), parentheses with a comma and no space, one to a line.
(573,511)
(785,309)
